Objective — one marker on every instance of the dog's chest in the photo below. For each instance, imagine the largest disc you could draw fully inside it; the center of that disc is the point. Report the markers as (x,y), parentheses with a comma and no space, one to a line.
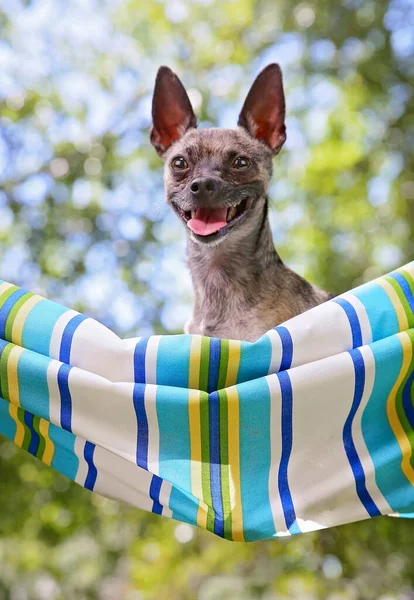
(227,323)
(225,308)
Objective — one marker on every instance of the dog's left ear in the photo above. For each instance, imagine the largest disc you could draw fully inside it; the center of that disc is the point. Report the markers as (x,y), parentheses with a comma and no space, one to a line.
(263,112)
(172,113)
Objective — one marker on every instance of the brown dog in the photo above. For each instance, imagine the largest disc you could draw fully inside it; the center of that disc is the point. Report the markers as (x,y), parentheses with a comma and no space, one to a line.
(216,180)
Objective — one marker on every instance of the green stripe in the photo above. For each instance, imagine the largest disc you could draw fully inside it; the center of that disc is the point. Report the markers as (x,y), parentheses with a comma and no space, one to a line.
(7,294)
(408,278)
(3,371)
(224,464)
(205,458)
(411,369)
(224,361)
(12,315)
(405,424)
(27,433)
(403,299)
(204,363)
(42,442)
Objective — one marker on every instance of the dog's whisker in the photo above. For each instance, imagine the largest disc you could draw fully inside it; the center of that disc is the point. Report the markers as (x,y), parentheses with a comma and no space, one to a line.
(161,209)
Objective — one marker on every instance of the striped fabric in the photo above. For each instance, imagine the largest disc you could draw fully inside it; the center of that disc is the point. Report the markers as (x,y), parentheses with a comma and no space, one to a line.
(309,427)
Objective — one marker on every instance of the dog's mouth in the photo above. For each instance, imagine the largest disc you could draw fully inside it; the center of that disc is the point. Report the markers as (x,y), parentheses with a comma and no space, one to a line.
(207,222)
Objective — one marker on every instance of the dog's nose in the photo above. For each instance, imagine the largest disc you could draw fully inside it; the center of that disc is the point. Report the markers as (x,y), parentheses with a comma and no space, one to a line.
(204,188)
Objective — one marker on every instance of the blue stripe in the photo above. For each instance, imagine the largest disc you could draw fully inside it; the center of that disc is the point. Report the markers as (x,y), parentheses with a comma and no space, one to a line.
(214,364)
(7,423)
(354,461)
(173,360)
(142,425)
(7,307)
(287,348)
(255,359)
(215,481)
(67,337)
(139,360)
(34,439)
(183,505)
(88,452)
(174,444)
(287,440)
(380,310)
(407,398)
(65,397)
(3,344)
(387,455)
(38,338)
(139,402)
(154,492)
(353,321)
(64,457)
(403,283)
(33,386)
(255,459)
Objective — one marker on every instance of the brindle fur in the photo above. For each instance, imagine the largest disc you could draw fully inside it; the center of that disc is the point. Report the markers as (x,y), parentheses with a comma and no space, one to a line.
(241,286)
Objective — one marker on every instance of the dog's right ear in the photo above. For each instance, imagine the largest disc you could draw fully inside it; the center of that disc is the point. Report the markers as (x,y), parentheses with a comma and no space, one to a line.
(172,113)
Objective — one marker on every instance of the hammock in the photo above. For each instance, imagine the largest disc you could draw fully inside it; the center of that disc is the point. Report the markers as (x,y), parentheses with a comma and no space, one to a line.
(309,427)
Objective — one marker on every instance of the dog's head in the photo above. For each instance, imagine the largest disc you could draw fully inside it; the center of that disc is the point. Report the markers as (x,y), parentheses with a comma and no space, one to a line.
(216,179)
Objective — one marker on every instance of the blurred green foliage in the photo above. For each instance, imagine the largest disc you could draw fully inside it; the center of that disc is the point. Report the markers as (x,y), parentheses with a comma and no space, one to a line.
(82,220)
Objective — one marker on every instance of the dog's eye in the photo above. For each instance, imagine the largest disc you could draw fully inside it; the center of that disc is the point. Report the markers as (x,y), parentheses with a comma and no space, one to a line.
(241,162)
(179,163)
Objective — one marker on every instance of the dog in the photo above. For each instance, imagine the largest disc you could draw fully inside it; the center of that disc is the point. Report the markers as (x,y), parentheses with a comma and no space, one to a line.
(216,181)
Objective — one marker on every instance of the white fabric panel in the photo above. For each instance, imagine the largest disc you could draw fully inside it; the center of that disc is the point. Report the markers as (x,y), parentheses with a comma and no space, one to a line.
(83,465)
(99,350)
(57,333)
(276,350)
(153,431)
(321,480)
(319,332)
(54,393)
(151,359)
(275,454)
(358,438)
(165,493)
(363,319)
(121,480)
(103,412)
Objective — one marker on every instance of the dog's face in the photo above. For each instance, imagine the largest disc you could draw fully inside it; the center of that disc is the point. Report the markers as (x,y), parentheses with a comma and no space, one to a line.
(216,179)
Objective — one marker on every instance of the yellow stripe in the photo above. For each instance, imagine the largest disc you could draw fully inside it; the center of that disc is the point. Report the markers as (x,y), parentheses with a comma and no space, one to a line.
(195,356)
(5,286)
(392,414)
(233,364)
(49,445)
(13,381)
(399,309)
(195,443)
(19,321)
(409,268)
(19,435)
(234,464)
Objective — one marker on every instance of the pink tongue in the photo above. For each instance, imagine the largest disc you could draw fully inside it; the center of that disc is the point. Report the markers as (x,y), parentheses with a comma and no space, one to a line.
(207,221)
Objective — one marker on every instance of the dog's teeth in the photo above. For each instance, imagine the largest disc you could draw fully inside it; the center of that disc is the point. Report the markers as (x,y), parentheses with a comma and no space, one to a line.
(193,214)
(231,213)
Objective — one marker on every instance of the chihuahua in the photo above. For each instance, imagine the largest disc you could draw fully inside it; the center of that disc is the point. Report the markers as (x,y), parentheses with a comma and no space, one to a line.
(216,181)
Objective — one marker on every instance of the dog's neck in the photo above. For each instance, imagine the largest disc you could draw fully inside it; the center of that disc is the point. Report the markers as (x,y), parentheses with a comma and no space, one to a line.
(242,288)
(234,265)
(233,280)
